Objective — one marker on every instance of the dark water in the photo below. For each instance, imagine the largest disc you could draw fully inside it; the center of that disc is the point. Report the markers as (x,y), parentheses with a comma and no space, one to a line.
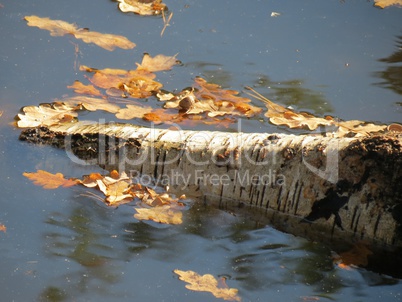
(327,57)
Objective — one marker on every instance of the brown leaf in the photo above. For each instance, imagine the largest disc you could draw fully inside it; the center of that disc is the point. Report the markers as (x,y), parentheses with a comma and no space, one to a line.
(48,180)
(158,63)
(3,228)
(132,111)
(207,283)
(357,255)
(46,114)
(61,28)
(91,104)
(386,3)
(84,89)
(159,116)
(144,7)
(161,214)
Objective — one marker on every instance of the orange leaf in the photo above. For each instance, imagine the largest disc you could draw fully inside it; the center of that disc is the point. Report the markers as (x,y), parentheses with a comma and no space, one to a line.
(3,228)
(152,7)
(158,63)
(84,89)
(207,283)
(48,180)
(385,3)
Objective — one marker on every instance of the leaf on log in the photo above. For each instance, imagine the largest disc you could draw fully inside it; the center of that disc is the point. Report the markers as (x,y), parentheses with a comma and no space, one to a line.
(142,7)
(133,111)
(91,104)
(207,283)
(50,181)
(161,214)
(84,89)
(158,63)
(61,28)
(386,3)
(46,115)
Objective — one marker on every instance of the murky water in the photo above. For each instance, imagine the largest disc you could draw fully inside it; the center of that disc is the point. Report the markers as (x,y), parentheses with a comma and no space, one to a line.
(326,57)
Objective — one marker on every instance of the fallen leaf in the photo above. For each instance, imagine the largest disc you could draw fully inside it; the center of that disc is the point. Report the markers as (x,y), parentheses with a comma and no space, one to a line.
(386,3)
(159,116)
(132,111)
(84,89)
(91,104)
(359,128)
(158,63)
(46,115)
(357,255)
(161,214)
(3,228)
(142,7)
(207,283)
(1,112)
(61,28)
(48,180)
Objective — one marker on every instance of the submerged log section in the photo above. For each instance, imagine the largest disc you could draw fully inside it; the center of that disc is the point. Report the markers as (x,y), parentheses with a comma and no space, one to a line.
(344,189)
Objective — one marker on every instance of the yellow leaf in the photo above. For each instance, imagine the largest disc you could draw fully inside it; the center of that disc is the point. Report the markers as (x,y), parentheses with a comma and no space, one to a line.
(158,63)
(48,180)
(84,89)
(162,214)
(207,283)
(61,28)
(132,111)
(149,7)
(45,114)
(91,104)
(385,3)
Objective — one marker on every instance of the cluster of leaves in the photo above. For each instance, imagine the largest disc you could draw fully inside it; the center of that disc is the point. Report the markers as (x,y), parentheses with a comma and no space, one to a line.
(208,283)
(118,189)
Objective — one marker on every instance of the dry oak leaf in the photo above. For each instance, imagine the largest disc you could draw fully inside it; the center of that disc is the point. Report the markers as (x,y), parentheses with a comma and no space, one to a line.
(162,214)
(50,181)
(158,63)
(207,283)
(61,28)
(359,128)
(159,116)
(132,111)
(91,104)
(386,3)
(142,7)
(46,115)
(84,89)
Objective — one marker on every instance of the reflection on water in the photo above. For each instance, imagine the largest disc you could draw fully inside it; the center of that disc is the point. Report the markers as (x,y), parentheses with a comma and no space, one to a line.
(392,75)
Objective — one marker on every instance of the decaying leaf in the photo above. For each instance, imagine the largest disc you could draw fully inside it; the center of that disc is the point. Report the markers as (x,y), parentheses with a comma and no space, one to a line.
(207,283)
(132,111)
(50,181)
(91,104)
(45,114)
(161,214)
(84,89)
(61,28)
(158,63)
(142,7)
(386,3)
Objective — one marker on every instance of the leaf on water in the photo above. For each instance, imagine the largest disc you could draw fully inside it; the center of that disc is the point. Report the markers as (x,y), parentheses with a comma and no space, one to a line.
(159,116)
(136,83)
(45,115)
(161,214)
(84,89)
(115,187)
(358,128)
(61,28)
(357,256)
(48,180)
(1,112)
(91,104)
(142,7)
(207,283)
(158,63)
(386,3)
(132,111)
(3,228)
(210,98)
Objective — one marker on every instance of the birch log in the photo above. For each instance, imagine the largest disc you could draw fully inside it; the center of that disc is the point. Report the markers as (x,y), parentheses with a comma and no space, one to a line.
(342,189)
